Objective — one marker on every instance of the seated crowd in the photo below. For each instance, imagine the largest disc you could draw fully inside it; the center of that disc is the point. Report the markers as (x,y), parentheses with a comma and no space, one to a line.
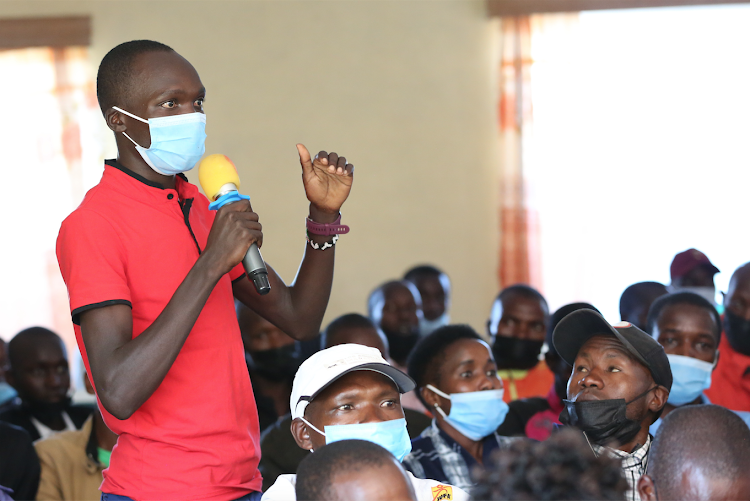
(402,404)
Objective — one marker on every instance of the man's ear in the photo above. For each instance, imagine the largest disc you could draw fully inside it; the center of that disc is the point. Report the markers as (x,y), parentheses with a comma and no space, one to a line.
(430,397)
(114,120)
(10,378)
(658,399)
(646,488)
(301,434)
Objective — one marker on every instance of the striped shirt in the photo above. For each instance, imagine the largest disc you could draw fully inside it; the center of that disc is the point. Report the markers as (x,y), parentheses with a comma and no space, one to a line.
(633,465)
(437,456)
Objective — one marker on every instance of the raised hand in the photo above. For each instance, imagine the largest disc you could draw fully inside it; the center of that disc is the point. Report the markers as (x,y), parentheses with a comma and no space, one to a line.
(327,179)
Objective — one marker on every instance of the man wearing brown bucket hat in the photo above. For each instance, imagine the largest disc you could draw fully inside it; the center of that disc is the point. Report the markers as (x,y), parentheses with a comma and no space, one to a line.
(619,385)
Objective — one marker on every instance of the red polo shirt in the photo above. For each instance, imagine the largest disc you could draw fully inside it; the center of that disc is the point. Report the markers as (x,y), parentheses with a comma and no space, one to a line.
(730,381)
(197,437)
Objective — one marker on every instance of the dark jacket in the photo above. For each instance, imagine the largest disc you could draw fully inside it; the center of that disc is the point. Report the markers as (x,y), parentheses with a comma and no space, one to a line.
(19,464)
(18,415)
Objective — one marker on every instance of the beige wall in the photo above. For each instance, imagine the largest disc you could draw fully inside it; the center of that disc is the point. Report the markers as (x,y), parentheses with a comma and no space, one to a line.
(403,89)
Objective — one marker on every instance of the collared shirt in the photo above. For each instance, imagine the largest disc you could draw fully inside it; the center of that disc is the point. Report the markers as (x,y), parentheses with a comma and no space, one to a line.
(633,465)
(132,242)
(526,383)
(46,432)
(436,455)
(730,381)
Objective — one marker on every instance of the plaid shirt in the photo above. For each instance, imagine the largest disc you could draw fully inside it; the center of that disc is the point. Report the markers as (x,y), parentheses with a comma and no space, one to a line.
(633,465)
(437,456)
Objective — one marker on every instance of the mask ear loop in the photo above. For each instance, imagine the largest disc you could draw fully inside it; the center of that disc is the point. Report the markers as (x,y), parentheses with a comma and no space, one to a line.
(313,427)
(589,442)
(442,394)
(642,395)
(131,116)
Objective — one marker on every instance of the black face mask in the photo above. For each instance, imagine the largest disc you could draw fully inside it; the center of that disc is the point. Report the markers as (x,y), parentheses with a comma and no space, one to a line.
(276,363)
(737,330)
(46,412)
(603,421)
(514,353)
(400,345)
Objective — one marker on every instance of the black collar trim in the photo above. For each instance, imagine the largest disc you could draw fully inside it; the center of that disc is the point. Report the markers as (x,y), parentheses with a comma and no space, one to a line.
(117,165)
(92,445)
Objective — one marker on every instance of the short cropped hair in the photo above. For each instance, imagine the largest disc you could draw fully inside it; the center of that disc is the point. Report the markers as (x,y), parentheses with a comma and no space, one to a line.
(688,298)
(26,340)
(348,321)
(633,295)
(115,78)
(524,291)
(561,468)
(427,357)
(422,270)
(709,437)
(316,473)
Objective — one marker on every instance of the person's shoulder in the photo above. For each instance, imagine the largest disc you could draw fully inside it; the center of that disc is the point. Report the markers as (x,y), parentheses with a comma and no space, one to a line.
(16,415)
(11,433)
(423,442)
(432,490)
(282,489)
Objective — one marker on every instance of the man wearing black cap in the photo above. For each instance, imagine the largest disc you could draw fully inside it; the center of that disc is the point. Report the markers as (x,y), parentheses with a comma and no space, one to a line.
(619,385)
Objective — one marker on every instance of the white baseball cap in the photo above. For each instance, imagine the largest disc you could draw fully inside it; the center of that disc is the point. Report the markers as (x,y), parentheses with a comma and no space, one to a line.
(326,366)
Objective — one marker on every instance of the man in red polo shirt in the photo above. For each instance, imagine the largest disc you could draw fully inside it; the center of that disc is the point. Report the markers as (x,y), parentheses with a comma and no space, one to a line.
(730,381)
(152,275)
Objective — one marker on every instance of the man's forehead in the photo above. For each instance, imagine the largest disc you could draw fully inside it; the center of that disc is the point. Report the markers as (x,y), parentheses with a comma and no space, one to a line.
(156,72)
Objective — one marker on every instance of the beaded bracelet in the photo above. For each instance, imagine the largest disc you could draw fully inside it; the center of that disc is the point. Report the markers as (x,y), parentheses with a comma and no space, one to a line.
(326,245)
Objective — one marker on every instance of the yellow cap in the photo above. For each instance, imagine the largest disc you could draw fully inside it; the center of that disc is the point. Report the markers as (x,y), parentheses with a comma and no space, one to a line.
(215,171)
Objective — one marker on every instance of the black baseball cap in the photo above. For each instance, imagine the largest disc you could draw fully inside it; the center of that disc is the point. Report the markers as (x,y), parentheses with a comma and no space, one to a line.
(581,325)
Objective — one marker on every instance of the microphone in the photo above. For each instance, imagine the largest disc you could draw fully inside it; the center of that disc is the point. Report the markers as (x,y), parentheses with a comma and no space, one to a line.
(220,182)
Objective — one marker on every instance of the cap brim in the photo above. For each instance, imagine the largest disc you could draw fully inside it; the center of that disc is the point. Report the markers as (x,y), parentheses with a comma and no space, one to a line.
(402,381)
(578,327)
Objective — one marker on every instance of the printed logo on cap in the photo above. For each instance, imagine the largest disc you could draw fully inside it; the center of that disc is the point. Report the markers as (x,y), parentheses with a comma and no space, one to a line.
(622,325)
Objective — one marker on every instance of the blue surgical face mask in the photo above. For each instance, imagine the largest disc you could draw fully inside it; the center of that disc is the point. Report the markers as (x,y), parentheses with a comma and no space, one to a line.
(177,142)
(7,392)
(390,435)
(690,377)
(475,414)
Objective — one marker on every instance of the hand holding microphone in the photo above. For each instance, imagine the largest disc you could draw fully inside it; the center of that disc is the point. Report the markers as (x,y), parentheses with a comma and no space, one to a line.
(220,182)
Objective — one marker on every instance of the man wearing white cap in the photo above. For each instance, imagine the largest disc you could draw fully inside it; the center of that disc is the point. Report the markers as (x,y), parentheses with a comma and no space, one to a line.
(347,392)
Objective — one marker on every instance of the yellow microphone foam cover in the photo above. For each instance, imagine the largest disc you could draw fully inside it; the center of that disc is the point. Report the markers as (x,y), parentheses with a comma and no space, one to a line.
(215,171)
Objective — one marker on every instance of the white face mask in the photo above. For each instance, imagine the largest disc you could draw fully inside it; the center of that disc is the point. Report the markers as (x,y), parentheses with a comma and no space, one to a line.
(706,292)
(427,326)
(177,141)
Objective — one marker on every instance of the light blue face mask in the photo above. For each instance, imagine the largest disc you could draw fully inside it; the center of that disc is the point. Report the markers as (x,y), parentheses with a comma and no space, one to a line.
(390,435)
(177,142)
(475,414)
(690,377)
(7,392)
